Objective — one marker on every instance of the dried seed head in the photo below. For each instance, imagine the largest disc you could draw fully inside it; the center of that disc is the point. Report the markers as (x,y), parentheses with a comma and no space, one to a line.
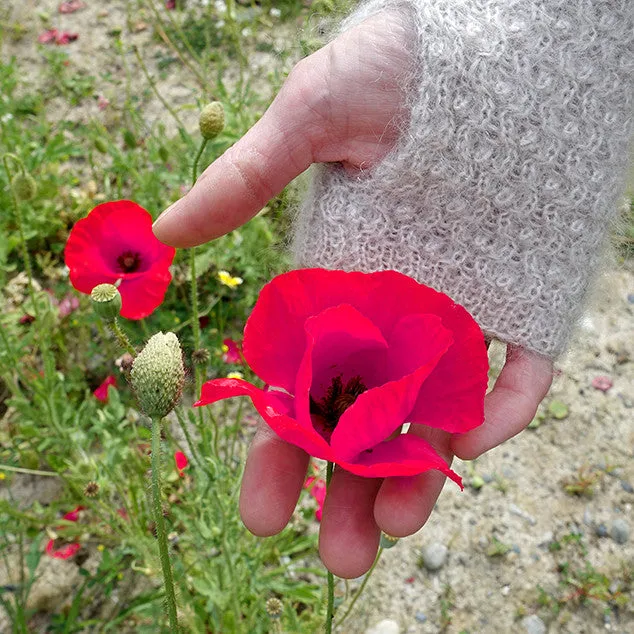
(91,489)
(274,607)
(158,375)
(212,120)
(201,356)
(106,301)
(24,186)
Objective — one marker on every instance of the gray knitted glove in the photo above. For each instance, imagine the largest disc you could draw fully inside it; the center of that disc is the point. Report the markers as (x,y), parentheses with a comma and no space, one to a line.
(502,187)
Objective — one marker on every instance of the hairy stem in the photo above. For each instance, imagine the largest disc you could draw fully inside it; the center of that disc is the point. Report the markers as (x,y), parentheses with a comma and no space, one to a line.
(161,534)
(331,580)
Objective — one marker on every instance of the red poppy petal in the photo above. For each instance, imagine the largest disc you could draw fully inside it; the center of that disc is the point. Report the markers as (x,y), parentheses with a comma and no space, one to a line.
(332,337)
(274,334)
(452,398)
(274,407)
(181,460)
(141,296)
(378,412)
(101,393)
(64,552)
(405,455)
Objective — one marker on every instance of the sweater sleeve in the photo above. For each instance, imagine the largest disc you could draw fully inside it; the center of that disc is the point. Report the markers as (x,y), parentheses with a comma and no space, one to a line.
(502,187)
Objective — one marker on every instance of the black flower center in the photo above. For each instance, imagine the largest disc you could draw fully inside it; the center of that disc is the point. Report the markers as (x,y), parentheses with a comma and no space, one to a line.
(338,398)
(129,262)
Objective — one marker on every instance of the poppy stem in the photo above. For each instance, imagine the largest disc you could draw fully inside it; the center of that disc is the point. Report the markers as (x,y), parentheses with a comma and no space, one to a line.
(331,579)
(161,533)
(121,337)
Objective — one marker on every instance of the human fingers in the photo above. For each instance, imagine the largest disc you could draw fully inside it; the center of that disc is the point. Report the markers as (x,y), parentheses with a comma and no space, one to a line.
(239,183)
(349,536)
(272,481)
(511,405)
(404,504)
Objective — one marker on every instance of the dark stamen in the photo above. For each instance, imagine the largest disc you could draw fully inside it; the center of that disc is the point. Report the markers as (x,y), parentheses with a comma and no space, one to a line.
(129,262)
(337,400)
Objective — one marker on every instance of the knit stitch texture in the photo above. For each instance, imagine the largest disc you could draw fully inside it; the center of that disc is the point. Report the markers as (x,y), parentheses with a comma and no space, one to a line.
(501,189)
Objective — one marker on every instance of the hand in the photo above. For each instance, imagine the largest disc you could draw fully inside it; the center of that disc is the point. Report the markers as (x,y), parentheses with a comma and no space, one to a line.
(344,103)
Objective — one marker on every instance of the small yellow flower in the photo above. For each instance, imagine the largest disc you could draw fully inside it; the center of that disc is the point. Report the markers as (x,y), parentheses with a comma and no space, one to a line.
(225,347)
(235,375)
(224,277)
(2,475)
(101,548)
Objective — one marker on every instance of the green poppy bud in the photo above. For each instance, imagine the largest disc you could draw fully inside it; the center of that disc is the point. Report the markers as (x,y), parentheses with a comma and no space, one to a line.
(106,301)
(158,375)
(101,145)
(387,541)
(212,120)
(24,186)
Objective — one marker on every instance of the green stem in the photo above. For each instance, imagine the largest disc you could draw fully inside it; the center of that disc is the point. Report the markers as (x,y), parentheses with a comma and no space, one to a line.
(122,338)
(198,368)
(361,588)
(6,467)
(20,222)
(331,580)
(192,447)
(161,533)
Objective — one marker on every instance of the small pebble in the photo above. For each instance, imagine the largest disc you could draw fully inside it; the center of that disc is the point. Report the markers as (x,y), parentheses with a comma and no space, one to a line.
(587,517)
(601,530)
(387,626)
(420,617)
(602,383)
(434,556)
(620,531)
(630,298)
(533,624)
(626,486)
(516,510)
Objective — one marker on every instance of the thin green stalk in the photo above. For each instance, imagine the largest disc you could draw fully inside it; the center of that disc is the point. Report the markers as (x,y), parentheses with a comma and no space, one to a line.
(6,467)
(361,588)
(192,447)
(156,91)
(161,533)
(331,580)
(121,337)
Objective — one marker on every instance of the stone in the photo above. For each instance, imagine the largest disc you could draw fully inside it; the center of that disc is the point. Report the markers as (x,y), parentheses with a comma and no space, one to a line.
(601,530)
(434,556)
(386,626)
(421,617)
(620,531)
(533,624)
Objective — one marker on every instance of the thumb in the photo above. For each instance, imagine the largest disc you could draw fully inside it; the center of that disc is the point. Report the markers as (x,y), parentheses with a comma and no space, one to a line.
(239,183)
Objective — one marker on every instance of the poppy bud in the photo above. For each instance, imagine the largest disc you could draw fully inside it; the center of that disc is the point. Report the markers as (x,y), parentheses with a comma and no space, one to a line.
(106,301)
(158,375)
(387,541)
(212,120)
(101,145)
(24,186)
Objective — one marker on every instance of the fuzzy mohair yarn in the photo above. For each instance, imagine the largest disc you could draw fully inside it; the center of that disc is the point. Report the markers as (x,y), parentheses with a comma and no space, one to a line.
(505,180)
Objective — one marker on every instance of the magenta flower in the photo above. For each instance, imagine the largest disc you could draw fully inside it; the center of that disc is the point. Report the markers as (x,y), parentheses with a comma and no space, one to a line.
(101,393)
(351,357)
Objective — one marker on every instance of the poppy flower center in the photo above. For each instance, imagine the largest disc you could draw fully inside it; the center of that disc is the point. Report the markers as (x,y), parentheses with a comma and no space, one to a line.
(338,398)
(129,262)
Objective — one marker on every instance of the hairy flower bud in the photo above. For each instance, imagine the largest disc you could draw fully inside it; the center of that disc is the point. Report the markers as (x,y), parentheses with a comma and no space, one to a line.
(24,186)
(387,541)
(158,375)
(212,120)
(106,301)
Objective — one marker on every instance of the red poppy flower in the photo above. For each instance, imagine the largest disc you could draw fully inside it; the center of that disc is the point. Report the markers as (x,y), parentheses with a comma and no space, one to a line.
(231,351)
(101,393)
(64,550)
(181,462)
(115,243)
(317,488)
(354,356)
